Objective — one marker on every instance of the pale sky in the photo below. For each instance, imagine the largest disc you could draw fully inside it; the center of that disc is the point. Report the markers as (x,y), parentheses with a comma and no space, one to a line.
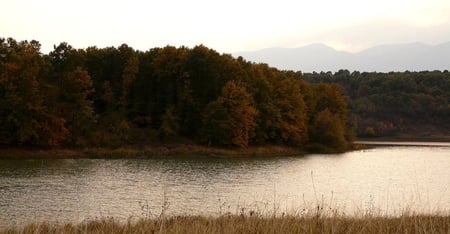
(226,26)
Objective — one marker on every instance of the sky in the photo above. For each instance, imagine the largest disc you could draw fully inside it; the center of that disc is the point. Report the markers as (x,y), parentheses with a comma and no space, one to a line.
(226,26)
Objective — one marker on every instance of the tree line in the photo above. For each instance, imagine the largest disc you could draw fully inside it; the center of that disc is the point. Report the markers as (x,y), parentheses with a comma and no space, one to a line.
(110,97)
(411,104)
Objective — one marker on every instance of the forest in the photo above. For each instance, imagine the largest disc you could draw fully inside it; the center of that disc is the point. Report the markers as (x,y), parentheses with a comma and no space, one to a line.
(111,97)
(396,104)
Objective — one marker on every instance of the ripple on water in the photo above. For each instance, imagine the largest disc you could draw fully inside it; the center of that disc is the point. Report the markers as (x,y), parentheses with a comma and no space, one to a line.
(388,179)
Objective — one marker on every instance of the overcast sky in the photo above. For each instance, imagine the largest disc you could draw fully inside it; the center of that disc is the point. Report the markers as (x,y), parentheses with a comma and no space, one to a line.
(226,26)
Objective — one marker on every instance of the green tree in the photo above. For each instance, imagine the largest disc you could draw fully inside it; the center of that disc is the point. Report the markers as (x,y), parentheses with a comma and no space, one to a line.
(128,77)
(327,130)
(169,125)
(187,108)
(214,125)
(328,107)
(293,120)
(203,66)
(75,103)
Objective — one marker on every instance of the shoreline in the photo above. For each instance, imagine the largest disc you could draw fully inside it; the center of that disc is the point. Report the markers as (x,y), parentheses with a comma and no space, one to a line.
(169,150)
(407,138)
(194,150)
(433,141)
(402,143)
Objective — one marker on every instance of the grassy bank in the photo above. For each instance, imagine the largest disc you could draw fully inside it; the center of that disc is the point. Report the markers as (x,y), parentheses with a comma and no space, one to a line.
(249,224)
(151,151)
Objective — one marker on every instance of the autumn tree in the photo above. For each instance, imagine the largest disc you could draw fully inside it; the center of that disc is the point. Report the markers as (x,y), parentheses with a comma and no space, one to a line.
(231,116)
(114,96)
(282,111)
(23,117)
(70,90)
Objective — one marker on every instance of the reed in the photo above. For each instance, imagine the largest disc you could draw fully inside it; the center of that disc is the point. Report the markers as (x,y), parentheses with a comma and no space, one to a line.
(406,223)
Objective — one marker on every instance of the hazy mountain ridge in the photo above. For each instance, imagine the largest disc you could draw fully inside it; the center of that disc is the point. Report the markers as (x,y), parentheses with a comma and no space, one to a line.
(383,58)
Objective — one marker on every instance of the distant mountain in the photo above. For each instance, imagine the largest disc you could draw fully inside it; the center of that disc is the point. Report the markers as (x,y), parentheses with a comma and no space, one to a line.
(383,58)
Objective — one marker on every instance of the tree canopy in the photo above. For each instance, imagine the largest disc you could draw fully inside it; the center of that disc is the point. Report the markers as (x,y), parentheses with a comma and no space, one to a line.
(111,97)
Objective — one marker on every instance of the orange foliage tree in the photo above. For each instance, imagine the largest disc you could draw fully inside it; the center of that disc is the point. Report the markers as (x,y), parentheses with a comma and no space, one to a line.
(230,120)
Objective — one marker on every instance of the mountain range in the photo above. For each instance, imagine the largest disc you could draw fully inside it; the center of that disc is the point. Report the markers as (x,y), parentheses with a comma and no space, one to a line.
(383,58)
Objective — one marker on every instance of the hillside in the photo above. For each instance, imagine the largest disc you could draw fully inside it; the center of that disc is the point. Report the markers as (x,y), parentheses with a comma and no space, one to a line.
(383,58)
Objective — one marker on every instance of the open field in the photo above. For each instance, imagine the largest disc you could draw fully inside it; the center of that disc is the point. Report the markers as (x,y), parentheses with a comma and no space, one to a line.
(408,223)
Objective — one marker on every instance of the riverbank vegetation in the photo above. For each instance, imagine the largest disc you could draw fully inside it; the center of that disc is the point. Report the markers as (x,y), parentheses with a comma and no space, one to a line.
(119,97)
(250,224)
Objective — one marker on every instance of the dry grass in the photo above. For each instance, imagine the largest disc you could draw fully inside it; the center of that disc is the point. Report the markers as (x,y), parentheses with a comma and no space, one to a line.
(252,224)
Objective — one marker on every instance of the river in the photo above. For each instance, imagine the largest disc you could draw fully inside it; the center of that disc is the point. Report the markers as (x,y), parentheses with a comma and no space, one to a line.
(385,180)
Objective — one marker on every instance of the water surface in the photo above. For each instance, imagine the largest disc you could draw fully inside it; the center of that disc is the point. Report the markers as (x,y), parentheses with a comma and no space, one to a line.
(383,180)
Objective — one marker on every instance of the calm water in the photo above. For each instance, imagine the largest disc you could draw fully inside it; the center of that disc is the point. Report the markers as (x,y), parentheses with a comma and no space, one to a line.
(386,180)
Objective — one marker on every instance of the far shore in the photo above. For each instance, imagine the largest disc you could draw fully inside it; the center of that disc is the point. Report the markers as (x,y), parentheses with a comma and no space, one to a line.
(407,138)
(402,143)
(437,141)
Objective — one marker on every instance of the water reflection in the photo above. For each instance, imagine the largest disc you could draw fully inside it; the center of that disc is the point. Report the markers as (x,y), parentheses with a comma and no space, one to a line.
(387,178)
